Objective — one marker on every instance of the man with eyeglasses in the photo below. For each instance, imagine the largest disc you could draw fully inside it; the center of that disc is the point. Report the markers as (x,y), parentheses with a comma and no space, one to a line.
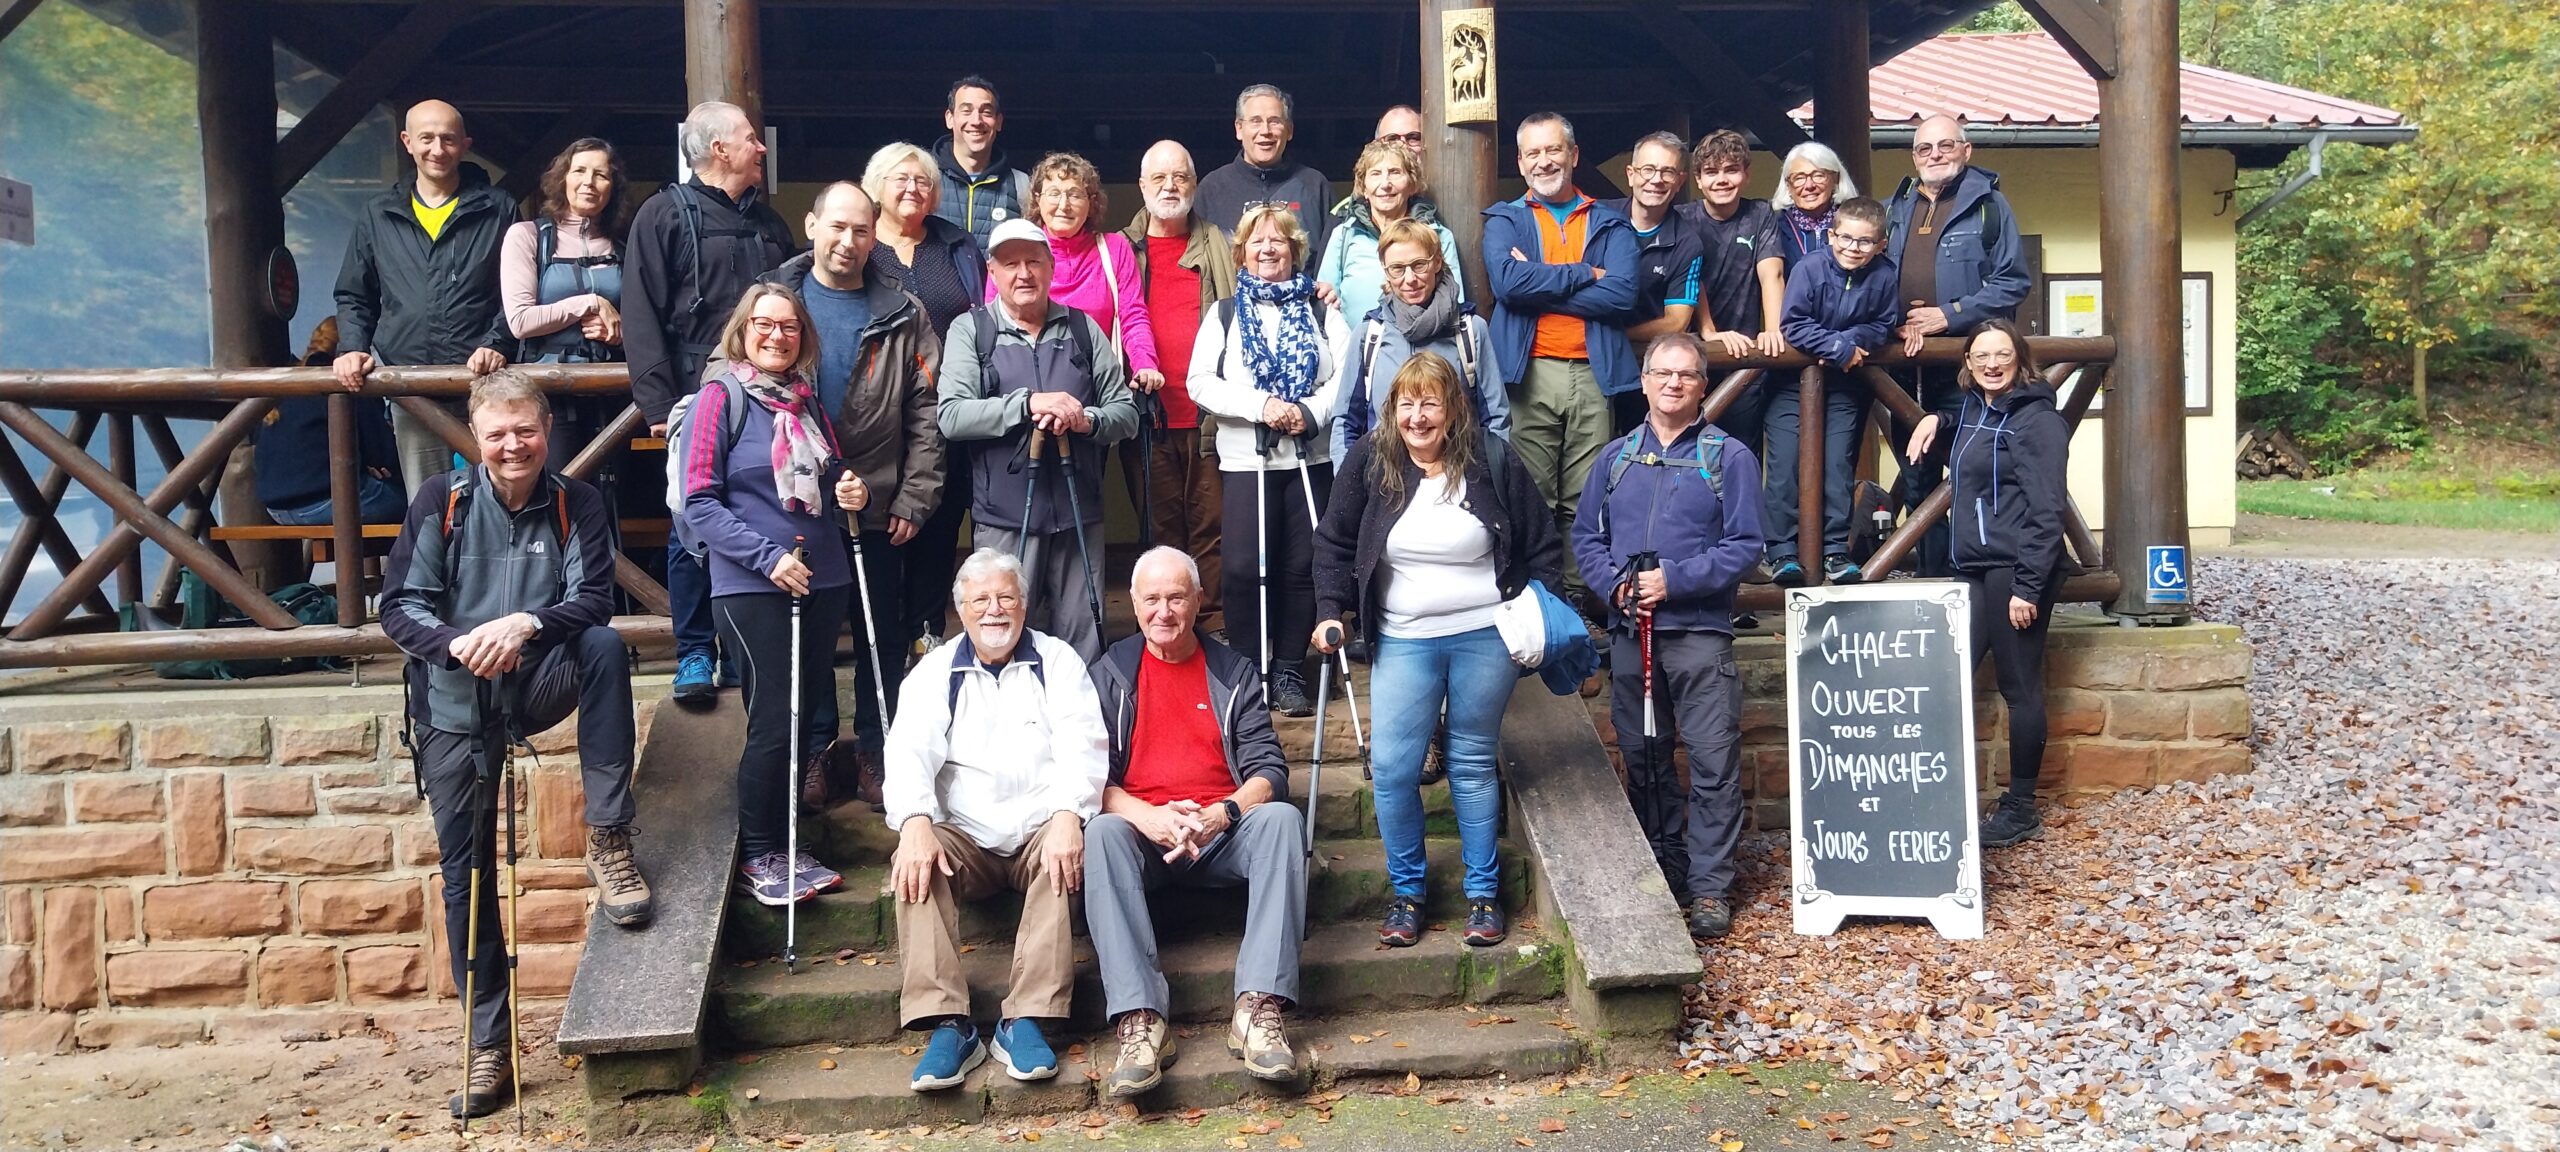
(1563,272)
(1403,124)
(1669,254)
(1955,240)
(996,759)
(1670,521)
(1262,173)
(1185,266)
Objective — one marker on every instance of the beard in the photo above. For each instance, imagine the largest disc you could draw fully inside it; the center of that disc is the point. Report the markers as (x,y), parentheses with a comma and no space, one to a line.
(1161,211)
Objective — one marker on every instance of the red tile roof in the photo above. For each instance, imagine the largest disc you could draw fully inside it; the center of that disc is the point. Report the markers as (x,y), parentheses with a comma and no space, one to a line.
(2026,80)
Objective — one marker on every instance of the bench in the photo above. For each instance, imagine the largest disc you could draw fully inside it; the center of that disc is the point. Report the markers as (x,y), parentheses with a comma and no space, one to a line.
(322,538)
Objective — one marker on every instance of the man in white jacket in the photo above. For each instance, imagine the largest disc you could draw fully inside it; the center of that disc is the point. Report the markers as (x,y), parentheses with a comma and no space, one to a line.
(996,759)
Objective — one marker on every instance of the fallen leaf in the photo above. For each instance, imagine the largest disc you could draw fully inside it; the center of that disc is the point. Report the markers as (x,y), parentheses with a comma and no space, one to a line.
(1358,1038)
(966,949)
(1879,1140)
(1290,1140)
(1481,1021)
(752,1093)
(1524,1141)
(1731,1146)
(1412,1083)
(826,1065)
(1400,1044)
(1550,1124)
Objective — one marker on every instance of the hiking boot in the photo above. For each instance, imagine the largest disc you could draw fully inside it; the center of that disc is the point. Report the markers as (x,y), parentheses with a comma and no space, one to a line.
(813,785)
(1839,569)
(868,772)
(949,1056)
(1289,693)
(1485,924)
(623,895)
(1023,1051)
(486,1087)
(767,879)
(808,877)
(1787,574)
(2014,821)
(1256,1036)
(1146,1046)
(1709,917)
(694,687)
(1402,926)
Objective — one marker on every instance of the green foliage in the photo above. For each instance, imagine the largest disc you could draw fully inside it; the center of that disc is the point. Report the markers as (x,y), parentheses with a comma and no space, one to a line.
(104,126)
(2002,17)
(2293,337)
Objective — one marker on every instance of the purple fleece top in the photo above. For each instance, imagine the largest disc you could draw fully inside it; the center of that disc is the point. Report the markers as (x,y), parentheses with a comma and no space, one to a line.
(732,507)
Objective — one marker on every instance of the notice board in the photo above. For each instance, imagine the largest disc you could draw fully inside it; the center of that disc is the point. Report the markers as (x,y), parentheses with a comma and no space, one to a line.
(1880,756)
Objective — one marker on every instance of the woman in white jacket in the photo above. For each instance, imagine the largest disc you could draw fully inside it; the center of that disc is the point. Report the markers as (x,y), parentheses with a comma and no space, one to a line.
(1270,364)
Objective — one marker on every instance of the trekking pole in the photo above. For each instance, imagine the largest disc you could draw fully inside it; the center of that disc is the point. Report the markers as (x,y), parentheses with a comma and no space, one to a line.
(1638,564)
(791,831)
(484,820)
(1030,488)
(1262,437)
(1315,759)
(1150,415)
(510,898)
(1341,653)
(870,631)
(1075,512)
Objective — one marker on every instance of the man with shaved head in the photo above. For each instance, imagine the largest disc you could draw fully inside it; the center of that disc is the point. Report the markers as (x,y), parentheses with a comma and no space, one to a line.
(420,282)
(877,360)
(1187,265)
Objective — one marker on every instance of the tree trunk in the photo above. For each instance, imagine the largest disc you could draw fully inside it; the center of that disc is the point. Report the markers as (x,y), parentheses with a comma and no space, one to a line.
(2418,383)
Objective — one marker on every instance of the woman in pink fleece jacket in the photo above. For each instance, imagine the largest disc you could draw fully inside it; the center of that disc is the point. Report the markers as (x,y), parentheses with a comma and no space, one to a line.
(1097,269)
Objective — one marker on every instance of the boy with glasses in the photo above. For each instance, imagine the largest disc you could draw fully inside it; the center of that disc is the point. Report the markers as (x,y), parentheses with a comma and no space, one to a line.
(1838,311)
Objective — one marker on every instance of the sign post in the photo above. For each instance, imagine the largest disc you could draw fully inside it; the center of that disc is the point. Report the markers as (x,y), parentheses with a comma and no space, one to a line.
(1880,756)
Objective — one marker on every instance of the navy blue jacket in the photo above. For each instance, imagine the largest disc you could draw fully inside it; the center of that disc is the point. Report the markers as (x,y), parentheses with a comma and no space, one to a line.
(1982,268)
(2007,464)
(1665,262)
(1524,290)
(1662,504)
(1832,312)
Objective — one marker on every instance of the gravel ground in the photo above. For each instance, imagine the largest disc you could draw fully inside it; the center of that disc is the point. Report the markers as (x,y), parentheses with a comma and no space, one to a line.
(2355,946)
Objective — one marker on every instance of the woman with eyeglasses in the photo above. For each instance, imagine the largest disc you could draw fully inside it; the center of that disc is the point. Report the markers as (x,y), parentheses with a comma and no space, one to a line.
(2007,456)
(1387,187)
(764,498)
(1097,269)
(1421,312)
(1811,185)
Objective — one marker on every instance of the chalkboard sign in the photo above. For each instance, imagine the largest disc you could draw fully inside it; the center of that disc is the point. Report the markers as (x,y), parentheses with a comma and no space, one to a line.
(1880,755)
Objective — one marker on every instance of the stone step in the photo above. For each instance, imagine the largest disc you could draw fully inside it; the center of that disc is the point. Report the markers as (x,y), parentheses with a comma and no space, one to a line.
(1347,881)
(1343,970)
(792,1092)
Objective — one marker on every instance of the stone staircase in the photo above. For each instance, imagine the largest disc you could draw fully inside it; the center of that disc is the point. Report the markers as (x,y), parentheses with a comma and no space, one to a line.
(821,1049)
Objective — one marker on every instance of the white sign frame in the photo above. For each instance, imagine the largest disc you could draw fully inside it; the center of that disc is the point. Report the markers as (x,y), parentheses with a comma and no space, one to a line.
(1956,915)
(2195,327)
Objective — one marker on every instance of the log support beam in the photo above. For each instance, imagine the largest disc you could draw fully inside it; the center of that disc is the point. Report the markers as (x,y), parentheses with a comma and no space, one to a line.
(724,56)
(2139,245)
(1459,159)
(382,70)
(2083,28)
(1842,108)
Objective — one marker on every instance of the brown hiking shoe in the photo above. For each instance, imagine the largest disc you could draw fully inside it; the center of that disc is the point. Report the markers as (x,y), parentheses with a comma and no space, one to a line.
(622,894)
(1257,1037)
(487,1087)
(1146,1046)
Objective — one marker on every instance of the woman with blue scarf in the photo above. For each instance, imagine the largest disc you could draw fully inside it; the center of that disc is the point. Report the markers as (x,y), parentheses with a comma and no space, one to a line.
(1270,364)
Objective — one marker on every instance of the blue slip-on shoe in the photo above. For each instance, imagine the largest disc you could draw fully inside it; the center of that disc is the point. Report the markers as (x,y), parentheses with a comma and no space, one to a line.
(949,1056)
(693,679)
(1788,574)
(1023,1051)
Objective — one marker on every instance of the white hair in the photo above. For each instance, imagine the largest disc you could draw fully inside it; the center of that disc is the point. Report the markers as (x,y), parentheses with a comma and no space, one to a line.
(875,175)
(1820,156)
(986,563)
(1288,107)
(709,121)
(1540,119)
(1165,551)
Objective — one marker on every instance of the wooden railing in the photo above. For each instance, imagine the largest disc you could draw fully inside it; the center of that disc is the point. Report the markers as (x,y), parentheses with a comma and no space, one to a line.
(75,623)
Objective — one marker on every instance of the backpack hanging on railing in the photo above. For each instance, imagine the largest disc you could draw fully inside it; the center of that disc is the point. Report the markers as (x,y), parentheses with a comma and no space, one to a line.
(200,607)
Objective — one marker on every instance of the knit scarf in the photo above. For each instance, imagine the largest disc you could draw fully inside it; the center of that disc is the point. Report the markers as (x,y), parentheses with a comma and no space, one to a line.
(1284,363)
(1431,321)
(1808,226)
(800,448)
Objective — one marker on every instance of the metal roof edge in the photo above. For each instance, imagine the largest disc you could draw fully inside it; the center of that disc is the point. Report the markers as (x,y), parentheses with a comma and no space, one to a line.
(2190,136)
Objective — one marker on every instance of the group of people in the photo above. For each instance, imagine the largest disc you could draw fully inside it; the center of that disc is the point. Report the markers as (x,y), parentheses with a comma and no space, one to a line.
(964,341)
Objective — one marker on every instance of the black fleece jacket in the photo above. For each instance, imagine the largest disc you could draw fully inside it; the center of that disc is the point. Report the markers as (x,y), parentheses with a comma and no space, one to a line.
(1351,541)
(2008,460)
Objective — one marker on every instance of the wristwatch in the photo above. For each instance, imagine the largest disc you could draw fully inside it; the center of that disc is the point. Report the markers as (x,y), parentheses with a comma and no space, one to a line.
(1235,815)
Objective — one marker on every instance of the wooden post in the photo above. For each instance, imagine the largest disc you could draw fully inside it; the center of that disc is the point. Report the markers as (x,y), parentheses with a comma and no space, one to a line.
(1842,109)
(243,217)
(1460,160)
(723,57)
(1809,469)
(2139,242)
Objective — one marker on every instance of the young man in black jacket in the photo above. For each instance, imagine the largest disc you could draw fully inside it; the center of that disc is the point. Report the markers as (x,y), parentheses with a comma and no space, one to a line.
(500,592)
(420,282)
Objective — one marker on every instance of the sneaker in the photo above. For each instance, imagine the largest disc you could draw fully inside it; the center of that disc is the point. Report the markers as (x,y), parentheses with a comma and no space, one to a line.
(728,674)
(808,877)
(624,895)
(1839,569)
(694,685)
(1023,1051)
(1788,574)
(1289,693)
(1759,574)
(949,1056)
(1485,924)
(767,878)
(1146,1046)
(2014,822)
(1256,1036)
(486,1086)
(1709,917)
(1403,924)
(1745,621)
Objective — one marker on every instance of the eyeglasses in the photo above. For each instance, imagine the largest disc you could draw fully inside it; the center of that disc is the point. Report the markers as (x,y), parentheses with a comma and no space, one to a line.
(1264,123)
(978,604)
(1813,176)
(1411,268)
(1937,148)
(1408,139)
(1166,180)
(910,180)
(1652,172)
(1063,194)
(1667,375)
(1992,359)
(765,326)
(1855,243)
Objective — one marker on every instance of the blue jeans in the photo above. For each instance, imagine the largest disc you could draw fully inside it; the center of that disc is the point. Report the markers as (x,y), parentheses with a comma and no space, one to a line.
(378,501)
(1408,683)
(689,600)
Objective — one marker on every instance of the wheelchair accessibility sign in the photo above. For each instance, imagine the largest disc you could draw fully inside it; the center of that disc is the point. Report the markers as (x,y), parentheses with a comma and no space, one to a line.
(2165,568)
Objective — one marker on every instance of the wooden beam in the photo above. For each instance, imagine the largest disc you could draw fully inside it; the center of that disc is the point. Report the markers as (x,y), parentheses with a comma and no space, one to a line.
(243,216)
(2083,28)
(1169,7)
(724,55)
(1459,160)
(363,85)
(14,14)
(1735,91)
(2138,246)
(1843,108)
